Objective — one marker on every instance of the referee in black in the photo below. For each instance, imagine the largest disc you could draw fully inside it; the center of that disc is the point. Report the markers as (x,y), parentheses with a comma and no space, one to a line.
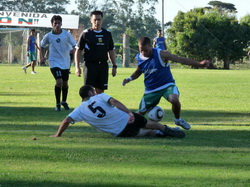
(98,46)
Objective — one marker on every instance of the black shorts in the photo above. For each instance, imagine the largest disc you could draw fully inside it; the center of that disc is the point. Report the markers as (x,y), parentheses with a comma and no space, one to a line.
(96,74)
(60,73)
(133,129)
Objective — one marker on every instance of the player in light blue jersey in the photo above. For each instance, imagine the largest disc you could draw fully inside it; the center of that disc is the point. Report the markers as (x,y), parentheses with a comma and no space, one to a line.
(158,79)
(159,41)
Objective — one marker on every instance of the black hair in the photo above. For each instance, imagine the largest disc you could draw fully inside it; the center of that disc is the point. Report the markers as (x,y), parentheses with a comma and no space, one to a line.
(96,12)
(144,41)
(33,30)
(84,91)
(56,17)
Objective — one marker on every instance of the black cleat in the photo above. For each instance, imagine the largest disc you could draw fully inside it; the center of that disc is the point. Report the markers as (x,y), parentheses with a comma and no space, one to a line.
(65,105)
(58,107)
(174,132)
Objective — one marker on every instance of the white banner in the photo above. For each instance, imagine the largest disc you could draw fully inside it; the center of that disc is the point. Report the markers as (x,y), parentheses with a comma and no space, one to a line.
(30,19)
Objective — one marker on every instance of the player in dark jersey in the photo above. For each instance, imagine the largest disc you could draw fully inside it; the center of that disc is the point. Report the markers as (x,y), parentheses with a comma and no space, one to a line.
(98,47)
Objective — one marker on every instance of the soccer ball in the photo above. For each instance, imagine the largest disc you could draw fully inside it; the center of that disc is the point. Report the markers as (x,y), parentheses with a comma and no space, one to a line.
(156,114)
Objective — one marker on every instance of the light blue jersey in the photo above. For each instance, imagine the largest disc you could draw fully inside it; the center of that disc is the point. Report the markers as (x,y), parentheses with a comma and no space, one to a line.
(157,74)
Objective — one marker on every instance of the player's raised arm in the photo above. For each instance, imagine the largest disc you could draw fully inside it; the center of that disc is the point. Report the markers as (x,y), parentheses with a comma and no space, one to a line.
(166,55)
(134,76)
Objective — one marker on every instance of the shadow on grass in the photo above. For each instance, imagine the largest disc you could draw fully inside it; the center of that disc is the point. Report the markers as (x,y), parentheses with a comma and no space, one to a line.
(18,119)
(19,115)
(23,183)
(156,152)
(90,137)
(9,94)
(105,180)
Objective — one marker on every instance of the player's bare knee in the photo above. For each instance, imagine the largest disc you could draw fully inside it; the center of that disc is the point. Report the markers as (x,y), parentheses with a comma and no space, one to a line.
(174,99)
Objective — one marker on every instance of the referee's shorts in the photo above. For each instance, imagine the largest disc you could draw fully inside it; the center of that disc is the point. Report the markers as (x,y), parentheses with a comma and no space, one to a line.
(96,74)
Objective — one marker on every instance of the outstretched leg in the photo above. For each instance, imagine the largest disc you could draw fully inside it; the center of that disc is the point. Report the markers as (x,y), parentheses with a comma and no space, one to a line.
(166,131)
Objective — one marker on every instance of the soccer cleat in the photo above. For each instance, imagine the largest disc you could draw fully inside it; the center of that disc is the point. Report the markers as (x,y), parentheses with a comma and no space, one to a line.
(182,123)
(24,69)
(65,105)
(58,107)
(173,132)
(33,72)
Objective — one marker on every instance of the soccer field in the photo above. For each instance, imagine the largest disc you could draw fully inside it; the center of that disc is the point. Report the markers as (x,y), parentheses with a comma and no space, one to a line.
(215,152)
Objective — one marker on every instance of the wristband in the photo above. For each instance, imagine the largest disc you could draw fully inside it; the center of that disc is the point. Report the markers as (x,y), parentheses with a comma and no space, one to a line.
(129,79)
(115,66)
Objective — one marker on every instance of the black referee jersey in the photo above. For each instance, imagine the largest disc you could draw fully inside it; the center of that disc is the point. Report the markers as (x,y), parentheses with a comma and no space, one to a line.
(95,44)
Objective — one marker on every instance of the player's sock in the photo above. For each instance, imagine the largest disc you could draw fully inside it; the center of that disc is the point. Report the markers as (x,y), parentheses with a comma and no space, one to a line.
(58,107)
(58,94)
(64,93)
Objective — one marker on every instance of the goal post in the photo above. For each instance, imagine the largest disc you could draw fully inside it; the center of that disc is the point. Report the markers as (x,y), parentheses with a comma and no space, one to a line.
(13,41)
(13,45)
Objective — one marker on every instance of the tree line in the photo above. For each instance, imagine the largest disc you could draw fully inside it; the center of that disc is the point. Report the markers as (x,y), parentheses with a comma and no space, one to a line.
(211,32)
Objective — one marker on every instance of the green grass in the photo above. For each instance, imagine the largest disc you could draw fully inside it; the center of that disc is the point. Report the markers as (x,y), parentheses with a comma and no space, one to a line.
(215,152)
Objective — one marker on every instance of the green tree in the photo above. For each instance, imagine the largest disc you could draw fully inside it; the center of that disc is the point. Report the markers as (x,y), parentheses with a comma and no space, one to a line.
(206,34)
(84,7)
(245,24)
(43,6)
(228,7)
(123,16)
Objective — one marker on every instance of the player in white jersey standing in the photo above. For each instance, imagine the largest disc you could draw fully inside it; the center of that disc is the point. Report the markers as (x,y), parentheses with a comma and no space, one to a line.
(108,115)
(60,44)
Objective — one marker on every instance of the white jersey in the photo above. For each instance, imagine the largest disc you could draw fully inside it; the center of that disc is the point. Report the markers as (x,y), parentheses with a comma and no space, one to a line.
(100,114)
(59,48)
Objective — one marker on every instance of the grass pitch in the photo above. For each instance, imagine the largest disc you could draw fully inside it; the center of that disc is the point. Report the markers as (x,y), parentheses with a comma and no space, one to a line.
(215,152)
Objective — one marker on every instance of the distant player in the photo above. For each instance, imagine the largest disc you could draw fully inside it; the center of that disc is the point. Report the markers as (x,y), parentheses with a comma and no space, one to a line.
(158,79)
(60,42)
(31,52)
(159,41)
(108,115)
